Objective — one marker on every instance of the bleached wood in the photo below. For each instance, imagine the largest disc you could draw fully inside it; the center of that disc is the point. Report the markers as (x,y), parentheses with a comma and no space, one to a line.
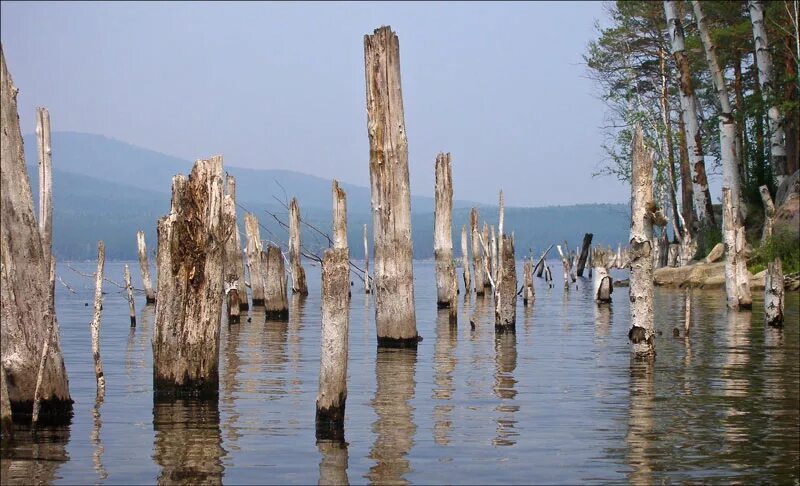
(299,285)
(505,292)
(45,181)
(395,315)
(737,278)
(769,213)
(129,291)
(231,256)
(254,251)
(642,330)
(465,261)
(477,255)
(366,262)
(26,310)
(144,267)
(602,283)
(95,324)
(528,293)
(191,242)
(37,394)
(564,266)
(773,294)
(339,216)
(442,234)
(276,299)
(493,255)
(687,312)
(234,262)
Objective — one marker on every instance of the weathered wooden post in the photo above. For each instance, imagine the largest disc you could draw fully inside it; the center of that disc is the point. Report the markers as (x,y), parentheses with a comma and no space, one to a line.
(737,279)
(585,249)
(773,294)
(335,323)
(131,301)
(565,266)
(276,300)
(26,309)
(395,314)
(45,181)
(53,327)
(233,249)
(505,295)
(465,261)
(528,294)
(298,273)
(144,266)
(643,216)
(442,236)
(602,283)
(477,259)
(254,257)
(231,254)
(493,253)
(366,261)
(95,324)
(191,242)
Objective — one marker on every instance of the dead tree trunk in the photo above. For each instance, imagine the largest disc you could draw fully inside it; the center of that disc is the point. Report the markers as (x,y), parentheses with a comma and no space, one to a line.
(602,284)
(395,314)
(45,181)
(144,266)
(528,293)
(26,309)
(37,394)
(769,213)
(737,279)
(642,331)
(465,261)
(673,252)
(493,254)
(254,257)
(276,300)
(477,260)
(587,244)
(773,294)
(191,243)
(95,324)
(505,292)
(335,323)
(488,275)
(231,255)
(366,262)
(565,266)
(442,235)
(233,250)
(131,302)
(298,273)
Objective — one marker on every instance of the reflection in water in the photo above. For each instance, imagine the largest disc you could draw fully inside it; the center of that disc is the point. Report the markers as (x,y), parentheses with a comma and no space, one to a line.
(505,349)
(34,457)
(734,375)
(230,386)
(274,341)
(296,317)
(443,364)
(640,421)
(188,446)
(129,349)
(143,329)
(333,462)
(395,427)
(97,444)
(602,319)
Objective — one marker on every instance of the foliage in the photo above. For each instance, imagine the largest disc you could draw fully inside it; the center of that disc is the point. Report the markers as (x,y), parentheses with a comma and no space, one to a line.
(783,244)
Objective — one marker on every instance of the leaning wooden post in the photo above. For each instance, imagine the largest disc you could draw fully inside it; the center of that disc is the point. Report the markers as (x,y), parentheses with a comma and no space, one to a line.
(737,279)
(276,300)
(190,285)
(298,273)
(477,260)
(565,266)
(332,393)
(37,394)
(442,236)
(528,294)
(230,256)
(493,254)
(585,249)
(144,266)
(773,294)
(234,266)
(465,261)
(45,181)
(95,324)
(254,258)
(505,295)
(769,213)
(488,274)
(395,314)
(131,302)
(366,262)
(642,331)
(602,283)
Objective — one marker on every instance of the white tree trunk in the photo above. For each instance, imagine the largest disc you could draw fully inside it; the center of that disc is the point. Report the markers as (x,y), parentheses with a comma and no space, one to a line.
(45,181)
(144,266)
(442,235)
(773,293)
(231,256)
(465,261)
(395,314)
(37,394)
(602,284)
(299,285)
(131,301)
(769,213)
(366,262)
(528,293)
(702,195)
(233,248)
(95,324)
(642,331)
(477,260)
(191,245)
(26,309)
(565,266)
(737,278)
(254,251)
(766,80)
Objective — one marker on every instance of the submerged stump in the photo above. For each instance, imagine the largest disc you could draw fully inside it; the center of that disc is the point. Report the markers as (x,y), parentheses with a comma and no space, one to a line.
(773,294)
(144,267)
(505,295)
(602,283)
(446,283)
(254,265)
(299,285)
(276,299)
(234,264)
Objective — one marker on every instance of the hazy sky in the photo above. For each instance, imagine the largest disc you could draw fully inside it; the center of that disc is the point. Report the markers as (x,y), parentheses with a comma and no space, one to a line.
(281,85)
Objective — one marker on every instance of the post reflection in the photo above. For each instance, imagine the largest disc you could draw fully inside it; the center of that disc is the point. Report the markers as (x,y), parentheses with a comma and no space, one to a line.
(144,327)
(333,462)
(230,386)
(34,458)
(505,352)
(188,444)
(444,362)
(296,315)
(735,375)
(640,421)
(394,429)
(602,320)
(97,443)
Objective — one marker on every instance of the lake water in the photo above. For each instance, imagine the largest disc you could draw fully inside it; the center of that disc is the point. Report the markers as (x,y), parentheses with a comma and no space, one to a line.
(560,401)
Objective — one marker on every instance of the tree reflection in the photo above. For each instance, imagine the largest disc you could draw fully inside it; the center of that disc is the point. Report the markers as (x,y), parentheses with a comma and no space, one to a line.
(640,421)
(333,462)
(505,352)
(443,364)
(34,458)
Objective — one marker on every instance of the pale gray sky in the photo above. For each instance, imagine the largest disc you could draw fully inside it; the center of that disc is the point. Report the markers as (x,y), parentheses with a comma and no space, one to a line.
(281,85)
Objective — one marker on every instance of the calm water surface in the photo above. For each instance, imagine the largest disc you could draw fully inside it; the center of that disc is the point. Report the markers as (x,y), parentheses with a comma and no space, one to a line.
(558,402)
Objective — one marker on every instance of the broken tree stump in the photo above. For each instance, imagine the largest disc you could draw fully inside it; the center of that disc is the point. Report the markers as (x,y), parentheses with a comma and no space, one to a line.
(737,278)
(564,266)
(585,249)
(231,255)
(528,294)
(505,296)
(299,285)
(477,259)
(602,283)
(45,181)
(233,248)
(366,262)
(465,262)
(276,299)
(131,301)
(144,266)
(95,324)
(254,265)
(443,236)
(26,309)
(773,294)
(395,314)
(191,242)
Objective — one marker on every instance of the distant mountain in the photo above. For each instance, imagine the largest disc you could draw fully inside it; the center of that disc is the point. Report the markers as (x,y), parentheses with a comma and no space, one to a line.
(107,189)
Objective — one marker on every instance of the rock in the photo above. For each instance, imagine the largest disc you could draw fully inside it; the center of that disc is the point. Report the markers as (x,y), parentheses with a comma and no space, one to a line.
(790,185)
(715,253)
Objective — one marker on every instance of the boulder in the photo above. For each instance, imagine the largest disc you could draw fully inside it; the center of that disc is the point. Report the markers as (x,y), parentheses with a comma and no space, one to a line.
(715,253)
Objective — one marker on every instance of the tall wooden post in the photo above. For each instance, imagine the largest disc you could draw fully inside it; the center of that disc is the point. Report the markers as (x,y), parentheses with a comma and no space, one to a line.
(585,249)
(131,301)
(528,293)
(395,314)
(276,300)
(26,309)
(298,273)
(737,279)
(442,235)
(191,242)
(231,255)
(477,259)
(95,324)
(366,262)
(335,323)
(505,297)
(233,249)
(773,294)
(144,266)
(254,258)
(487,257)
(45,181)
(642,331)
(465,261)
